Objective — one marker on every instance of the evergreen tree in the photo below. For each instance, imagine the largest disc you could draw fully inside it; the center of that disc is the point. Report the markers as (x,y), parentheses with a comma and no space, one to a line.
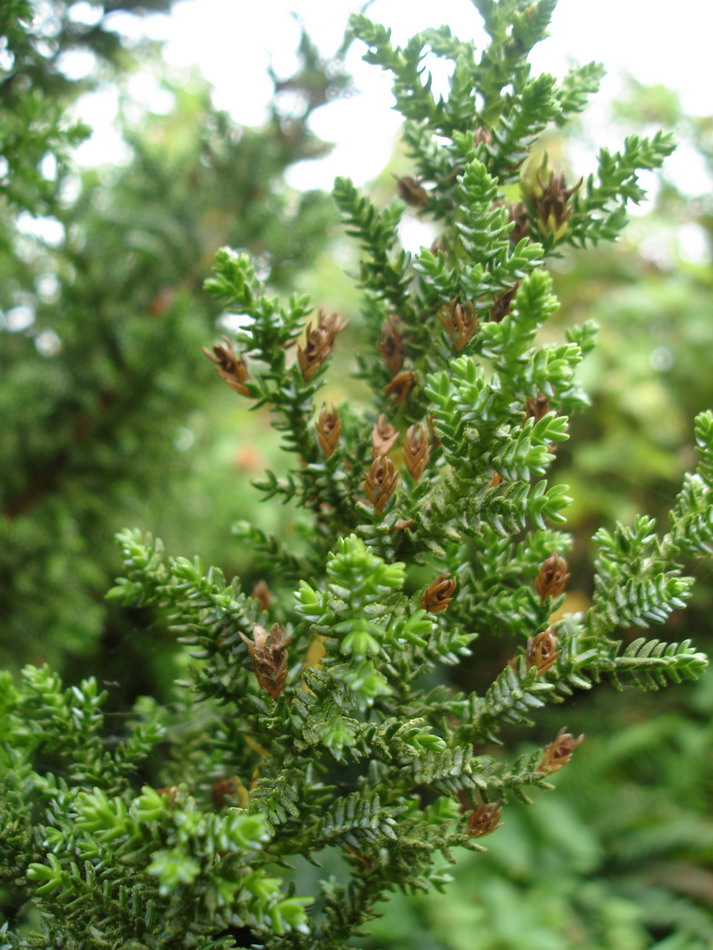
(99,334)
(311,716)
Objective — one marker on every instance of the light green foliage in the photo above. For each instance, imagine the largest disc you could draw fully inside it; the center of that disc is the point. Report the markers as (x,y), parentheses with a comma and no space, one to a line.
(317,721)
(106,862)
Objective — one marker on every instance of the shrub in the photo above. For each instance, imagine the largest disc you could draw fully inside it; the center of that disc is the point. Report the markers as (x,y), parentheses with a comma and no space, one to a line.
(313,719)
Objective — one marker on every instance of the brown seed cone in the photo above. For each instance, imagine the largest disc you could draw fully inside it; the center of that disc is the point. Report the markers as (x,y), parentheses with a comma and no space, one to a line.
(329,429)
(439,593)
(229,366)
(552,203)
(459,322)
(170,792)
(383,436)
(400,386)
(226,791)
(268,652)
(484,820)
(380,482)
(542,650)
(261,593)
(552,577)
(502,304)
(391,345)
(559,752)
(537,407)
(417,451)
(319,343)
(411,191)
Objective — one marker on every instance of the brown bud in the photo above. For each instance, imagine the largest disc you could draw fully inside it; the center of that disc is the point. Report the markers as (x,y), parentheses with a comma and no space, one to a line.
(496,480)
(319,343)
(551,202)
(229,791)
(559,752)
(329,429)
(400,386)
(268,652)
(417,451)
(401,524)
(383,436)
(482,136)
(484,820)
(411,191)
(537,407)
(391,345)
(552,577)
(542,650)
(380,482)
(438,247)
(517,213)
(170,792)
(229,366)
(502,304)
(162,301)
(261,593)
(459,322)
(439,593)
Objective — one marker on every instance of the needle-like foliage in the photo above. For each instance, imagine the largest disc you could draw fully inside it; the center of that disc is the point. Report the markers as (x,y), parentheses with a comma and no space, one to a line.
(314,713)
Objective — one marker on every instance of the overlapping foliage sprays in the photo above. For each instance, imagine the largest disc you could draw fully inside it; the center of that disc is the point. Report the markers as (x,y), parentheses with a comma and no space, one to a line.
(312,716)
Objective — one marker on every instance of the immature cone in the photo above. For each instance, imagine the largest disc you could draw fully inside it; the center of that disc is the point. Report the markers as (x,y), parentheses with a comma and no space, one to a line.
(319,343)
(552,577)
(411,191)
(400,386)
(417,451)
(439,593)
(268,652)
(502,304)
(380,482)
(383,436)
(537,406)
(459,322)
(542,650)
(552,204)
(261,593)
(484,820)
(329,428)
(559,752)
(391,345)
(229,366)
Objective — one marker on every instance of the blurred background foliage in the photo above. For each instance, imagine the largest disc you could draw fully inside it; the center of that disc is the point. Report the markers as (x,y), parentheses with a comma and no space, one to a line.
(112,417)
(107,402)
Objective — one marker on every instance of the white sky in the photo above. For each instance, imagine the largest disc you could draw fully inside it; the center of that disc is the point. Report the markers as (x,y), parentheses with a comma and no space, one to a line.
(231,42)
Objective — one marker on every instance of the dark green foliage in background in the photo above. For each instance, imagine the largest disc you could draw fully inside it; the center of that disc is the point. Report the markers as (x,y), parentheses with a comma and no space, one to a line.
(100,335)
(361,754)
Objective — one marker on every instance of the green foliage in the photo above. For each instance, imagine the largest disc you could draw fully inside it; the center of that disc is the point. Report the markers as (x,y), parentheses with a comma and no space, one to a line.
(98,334)
(314,720)
(35,133)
